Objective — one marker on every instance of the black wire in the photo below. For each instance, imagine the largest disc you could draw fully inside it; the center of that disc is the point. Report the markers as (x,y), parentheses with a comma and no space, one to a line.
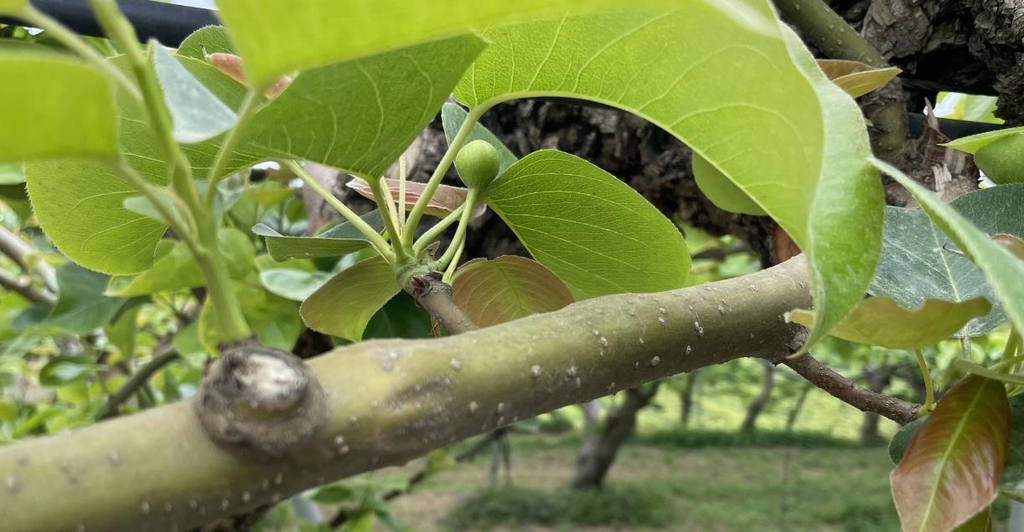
(167,23)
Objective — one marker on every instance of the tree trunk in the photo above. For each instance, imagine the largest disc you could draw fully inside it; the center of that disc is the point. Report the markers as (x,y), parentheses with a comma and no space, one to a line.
(757,405)
(686,398)
(598,450)
(877,380)
(797,407)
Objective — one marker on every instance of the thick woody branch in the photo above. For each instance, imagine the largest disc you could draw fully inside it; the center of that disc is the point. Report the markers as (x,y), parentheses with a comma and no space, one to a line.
(389,401)
(849,392)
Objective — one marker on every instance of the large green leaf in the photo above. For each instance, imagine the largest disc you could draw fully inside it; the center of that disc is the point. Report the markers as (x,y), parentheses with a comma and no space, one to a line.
(1002,161)
(597,234)
(926,254)
(362,114)
(345,304)
(81,306)
(196,113)
(881,321)
(951,469)
(79,203)
(336,241)
(54,106)
(358,28)
(12,7)
(762,126)
(507,288)
(722,192)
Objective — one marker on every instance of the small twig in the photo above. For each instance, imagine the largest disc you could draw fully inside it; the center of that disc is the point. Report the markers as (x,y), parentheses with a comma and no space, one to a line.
(722,253)
(849,392)
(436,298)
(344,514)
(19,251)
(23,285)
(161,357)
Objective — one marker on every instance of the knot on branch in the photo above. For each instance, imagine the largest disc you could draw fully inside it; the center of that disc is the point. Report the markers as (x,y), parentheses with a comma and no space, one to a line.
(260,400)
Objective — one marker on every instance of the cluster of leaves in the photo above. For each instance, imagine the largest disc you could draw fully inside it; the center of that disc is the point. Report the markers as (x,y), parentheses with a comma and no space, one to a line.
(129,177)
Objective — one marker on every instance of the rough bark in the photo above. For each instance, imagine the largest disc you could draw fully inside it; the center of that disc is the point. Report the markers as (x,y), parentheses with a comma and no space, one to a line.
(757,406)
(598,450)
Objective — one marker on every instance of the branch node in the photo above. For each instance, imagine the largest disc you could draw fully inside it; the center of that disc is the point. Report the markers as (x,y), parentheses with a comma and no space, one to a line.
(260,400)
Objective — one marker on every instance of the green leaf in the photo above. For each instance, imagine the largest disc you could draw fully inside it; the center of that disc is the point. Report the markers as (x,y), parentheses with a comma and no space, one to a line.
(289,283)
(401,317)
(452,117)
(208,39)
(12,7)
(8,409)
(302,41)
(1012,483)
(973,143)
(81,306)
(121,331)
(507,288)
(59,107)
(967,366)
(79,205)
(781,132)
(1002,270)
(345,304)
(176,268)
(951,469)
(597,234)
(722,192)
(12,174)
(920,262)
(981,522)
(61,370)
(197,114)
(339,240)
(856,78)
(902,438)
(361,115)
(1003,160)
(274,319)
(881,321)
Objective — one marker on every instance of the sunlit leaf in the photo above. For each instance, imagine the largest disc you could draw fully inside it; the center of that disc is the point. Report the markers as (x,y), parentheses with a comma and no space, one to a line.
(856,78)
(444,200)
(196,113)
(58,107)
(774,125)
(1002,160)
(339,240)
(507,288)
(973,143)
(301,39)
(595,232)
(1002,270)
(722,192)
(345,304)
(951,469)
(12,6)
(881,321)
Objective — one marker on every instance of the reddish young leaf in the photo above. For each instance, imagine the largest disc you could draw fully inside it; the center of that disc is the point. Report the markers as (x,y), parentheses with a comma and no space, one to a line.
(507,288)
(1011,243)
(951,470)
(445,199)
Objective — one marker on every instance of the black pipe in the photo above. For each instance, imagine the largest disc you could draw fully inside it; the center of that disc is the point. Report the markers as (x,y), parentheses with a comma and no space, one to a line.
(167,23)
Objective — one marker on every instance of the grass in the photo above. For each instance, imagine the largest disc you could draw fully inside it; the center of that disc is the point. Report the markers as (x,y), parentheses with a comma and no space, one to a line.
(701,489)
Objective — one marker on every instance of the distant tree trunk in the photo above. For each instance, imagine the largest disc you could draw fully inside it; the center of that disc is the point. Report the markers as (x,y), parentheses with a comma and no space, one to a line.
(686,397)
(877,380)
(598,450)
(797,407)
(757,405)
